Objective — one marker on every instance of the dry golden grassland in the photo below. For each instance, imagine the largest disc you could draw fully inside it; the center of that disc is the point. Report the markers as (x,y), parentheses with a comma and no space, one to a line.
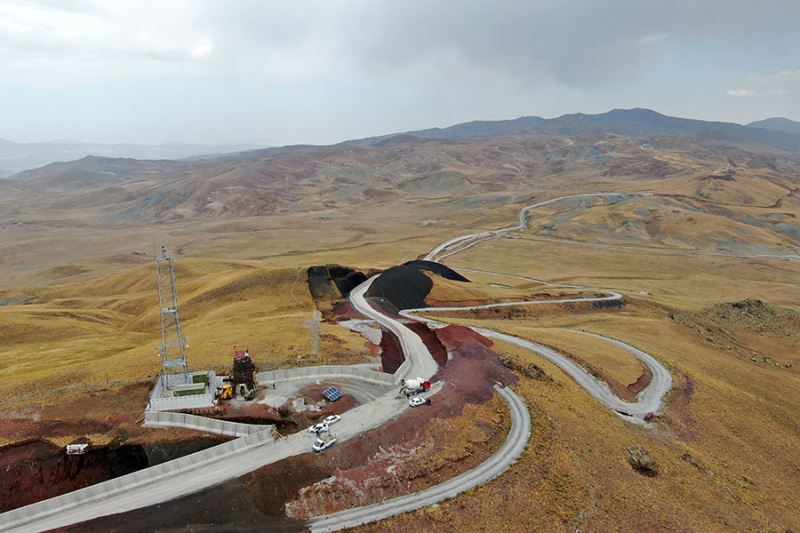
(77,338)
(727,442)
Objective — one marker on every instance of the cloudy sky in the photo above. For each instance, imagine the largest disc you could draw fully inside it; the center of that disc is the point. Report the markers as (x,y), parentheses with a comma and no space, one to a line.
(319,72)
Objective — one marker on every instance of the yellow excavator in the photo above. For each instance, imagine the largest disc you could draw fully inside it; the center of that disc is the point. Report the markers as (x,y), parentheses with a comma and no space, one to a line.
(226,393)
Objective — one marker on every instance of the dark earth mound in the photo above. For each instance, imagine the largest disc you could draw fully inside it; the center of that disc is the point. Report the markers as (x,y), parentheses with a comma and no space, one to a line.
(437,268)
(322,279)
(404,286)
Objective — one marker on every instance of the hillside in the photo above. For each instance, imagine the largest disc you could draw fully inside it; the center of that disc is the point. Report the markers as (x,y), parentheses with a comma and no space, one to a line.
(635,122)
(16,157)
(777,124)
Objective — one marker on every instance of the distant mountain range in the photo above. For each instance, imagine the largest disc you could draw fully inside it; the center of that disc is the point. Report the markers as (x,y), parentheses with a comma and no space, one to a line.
(15,156)
(638,122)
(778,124)
(779,134)
(480,162)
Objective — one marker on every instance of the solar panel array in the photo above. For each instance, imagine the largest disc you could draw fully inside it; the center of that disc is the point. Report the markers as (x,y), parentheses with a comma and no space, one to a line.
(332,394)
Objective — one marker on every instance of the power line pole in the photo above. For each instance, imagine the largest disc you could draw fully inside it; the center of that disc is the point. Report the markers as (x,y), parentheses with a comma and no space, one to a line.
(313,326)
(173,344)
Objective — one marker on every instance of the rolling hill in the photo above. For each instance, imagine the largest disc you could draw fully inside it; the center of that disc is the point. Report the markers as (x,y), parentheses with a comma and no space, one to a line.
(635,122)
(777,124)
(16,157)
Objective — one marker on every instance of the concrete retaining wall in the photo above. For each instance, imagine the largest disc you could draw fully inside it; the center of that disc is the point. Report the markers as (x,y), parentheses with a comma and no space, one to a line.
(335,371)
(201,423)
(142,477)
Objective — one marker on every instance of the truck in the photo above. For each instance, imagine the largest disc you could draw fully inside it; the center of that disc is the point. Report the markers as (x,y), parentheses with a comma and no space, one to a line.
(410,387)
(323,442)
(77,449)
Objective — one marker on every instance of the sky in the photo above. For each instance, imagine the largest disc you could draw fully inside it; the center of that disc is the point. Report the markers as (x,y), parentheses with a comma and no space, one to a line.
(325,71)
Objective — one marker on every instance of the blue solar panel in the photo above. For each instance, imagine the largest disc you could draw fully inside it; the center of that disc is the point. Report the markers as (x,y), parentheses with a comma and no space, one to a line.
(332,394)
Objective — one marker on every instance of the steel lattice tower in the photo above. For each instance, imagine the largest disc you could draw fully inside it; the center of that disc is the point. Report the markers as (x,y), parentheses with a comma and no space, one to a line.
(173,345)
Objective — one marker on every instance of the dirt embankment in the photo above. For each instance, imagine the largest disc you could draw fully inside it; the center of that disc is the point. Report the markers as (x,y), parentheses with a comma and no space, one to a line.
(34,470)
(392,354)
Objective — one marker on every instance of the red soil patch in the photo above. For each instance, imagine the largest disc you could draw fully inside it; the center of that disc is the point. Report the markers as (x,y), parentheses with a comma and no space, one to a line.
(639,385)
(345,403)
(432,342)
(34,470)
(454,337)
(344,311)
(391,354)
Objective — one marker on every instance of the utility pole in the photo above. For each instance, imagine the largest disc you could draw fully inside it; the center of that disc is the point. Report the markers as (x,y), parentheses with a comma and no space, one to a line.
(173,344)
(313,326)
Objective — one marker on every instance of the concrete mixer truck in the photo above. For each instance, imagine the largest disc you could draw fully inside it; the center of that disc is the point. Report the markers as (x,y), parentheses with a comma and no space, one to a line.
(410,387)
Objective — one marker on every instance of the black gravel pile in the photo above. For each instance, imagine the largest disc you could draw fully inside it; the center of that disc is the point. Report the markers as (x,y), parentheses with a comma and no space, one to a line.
(437,268)
(403,286)
(343,278)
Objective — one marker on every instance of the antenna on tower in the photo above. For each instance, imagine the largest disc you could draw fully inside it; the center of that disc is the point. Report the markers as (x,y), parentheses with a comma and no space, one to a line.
(173,344)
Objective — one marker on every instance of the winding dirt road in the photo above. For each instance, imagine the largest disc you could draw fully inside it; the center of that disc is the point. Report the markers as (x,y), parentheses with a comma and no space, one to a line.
(648,401)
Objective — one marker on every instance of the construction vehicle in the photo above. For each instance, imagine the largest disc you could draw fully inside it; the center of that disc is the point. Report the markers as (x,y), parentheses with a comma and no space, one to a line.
(410,387)
(77,449)
(323,442)
(225,392)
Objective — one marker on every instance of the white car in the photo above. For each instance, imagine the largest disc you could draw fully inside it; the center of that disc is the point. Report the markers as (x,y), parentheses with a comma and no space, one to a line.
(322,427)
(331,419)
(416,401)
(320,445)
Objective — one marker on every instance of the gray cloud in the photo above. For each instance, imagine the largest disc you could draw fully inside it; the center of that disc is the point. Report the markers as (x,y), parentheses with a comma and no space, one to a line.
(438,60)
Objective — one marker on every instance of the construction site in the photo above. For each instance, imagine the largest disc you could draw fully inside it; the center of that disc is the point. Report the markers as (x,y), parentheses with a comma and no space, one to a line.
(246,401)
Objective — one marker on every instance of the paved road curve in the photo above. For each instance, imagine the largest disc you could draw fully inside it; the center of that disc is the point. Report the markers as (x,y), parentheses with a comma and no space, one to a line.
(513,447)
(459,244)
(419,361)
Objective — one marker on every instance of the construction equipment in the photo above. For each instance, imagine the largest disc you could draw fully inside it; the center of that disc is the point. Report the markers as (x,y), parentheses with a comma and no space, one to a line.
(410,387)
(323,442)
(77,449)
(225,392)
(244,369)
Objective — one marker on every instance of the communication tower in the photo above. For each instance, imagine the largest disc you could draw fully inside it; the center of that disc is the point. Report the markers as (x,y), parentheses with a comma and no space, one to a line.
(173,344)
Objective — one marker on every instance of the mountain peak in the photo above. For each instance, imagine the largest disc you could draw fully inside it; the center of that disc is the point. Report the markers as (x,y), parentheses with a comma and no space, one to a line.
(777,124)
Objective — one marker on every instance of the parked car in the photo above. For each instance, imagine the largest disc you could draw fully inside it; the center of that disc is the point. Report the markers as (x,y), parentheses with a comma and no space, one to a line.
(322,427)
(331,419)
(323,444)
(416,401)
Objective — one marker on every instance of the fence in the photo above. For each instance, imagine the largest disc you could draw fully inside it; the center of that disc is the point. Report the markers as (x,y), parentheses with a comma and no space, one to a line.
(202,423)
